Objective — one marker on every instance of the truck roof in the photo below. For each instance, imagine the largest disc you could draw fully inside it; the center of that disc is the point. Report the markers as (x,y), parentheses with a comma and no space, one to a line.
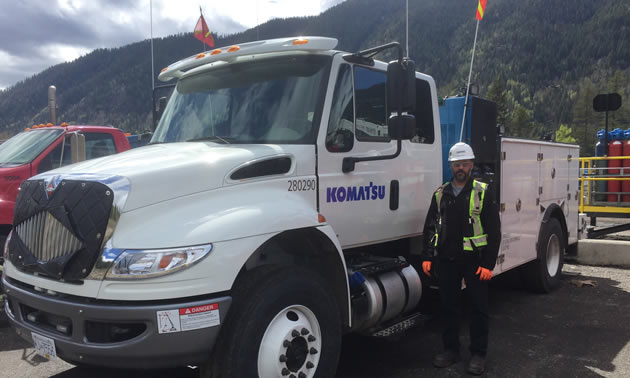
(70,128)
(230,54)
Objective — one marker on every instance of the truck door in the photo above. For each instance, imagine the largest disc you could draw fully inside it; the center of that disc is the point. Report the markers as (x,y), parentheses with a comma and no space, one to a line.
(382,199)
(520,203)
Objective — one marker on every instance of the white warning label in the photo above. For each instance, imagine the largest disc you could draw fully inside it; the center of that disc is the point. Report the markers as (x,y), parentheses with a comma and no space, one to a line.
(199,316)
(168,321)
(188,318)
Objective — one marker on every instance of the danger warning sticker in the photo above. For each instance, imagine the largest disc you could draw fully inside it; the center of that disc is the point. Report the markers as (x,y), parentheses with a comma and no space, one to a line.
(188,318)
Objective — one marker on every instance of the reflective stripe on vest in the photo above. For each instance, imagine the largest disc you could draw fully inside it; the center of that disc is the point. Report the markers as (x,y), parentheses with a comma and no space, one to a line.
(477,195)
(438,201)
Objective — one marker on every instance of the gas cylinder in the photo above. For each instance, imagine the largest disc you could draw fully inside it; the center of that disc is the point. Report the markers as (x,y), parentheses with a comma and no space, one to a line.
(600,166)
(615,148)
(625,185)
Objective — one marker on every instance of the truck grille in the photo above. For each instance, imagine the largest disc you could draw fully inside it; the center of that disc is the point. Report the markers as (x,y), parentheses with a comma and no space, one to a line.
(60,227)
(46,238)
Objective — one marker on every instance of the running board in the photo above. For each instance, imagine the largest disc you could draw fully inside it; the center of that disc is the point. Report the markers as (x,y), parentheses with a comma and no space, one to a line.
(405,324)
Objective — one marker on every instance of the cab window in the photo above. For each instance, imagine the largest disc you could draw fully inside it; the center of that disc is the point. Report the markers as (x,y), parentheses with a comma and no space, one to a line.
(99,145)
(425,132)
(58,157)
(340,134)
(371,112)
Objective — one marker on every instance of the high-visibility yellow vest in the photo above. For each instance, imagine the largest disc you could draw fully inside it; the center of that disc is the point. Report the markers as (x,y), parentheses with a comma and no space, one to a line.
(477,194)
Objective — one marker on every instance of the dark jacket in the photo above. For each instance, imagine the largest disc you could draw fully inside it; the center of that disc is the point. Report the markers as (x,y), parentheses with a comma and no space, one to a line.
(455,219)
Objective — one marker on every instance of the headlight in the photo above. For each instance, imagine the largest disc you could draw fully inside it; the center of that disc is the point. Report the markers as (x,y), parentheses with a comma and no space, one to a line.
(148,263)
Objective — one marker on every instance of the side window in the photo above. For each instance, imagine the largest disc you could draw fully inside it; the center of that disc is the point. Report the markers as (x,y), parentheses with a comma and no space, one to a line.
(371,113)
(425,132)
(54,159)
(99,145)
(340,135)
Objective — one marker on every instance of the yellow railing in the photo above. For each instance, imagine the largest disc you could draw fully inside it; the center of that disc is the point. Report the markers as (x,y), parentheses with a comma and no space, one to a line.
(590,173)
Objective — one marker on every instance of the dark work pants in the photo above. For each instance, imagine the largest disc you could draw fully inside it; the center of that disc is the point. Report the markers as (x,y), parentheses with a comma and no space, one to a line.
(450,273)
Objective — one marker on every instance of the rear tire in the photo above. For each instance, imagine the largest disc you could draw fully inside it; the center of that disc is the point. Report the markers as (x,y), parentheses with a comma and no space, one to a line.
(282,321)
(543,274)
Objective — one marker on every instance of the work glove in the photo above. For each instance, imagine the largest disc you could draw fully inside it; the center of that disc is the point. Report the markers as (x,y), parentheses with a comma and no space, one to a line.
(426,267)
(484,274)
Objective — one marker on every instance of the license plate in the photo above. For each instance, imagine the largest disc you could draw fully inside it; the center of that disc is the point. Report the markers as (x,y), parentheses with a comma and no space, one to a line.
(44,346)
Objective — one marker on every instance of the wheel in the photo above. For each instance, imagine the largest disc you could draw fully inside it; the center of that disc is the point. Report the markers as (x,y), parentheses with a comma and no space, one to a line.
(283,323)
(543,274)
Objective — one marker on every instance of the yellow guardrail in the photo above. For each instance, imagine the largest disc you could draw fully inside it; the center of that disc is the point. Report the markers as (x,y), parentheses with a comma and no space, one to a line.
(590,173)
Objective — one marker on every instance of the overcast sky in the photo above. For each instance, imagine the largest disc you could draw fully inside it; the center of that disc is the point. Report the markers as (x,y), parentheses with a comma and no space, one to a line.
(37,34)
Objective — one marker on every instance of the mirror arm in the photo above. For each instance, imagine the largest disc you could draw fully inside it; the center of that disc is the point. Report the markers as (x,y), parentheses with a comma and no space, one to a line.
(348,163)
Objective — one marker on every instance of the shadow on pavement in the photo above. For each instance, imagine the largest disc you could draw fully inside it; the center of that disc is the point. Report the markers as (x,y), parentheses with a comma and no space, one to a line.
(572,331)
(81,372)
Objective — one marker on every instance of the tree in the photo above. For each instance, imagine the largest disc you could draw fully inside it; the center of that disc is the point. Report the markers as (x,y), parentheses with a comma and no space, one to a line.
(584,119)
(563,135)
(498,94)
(521,122)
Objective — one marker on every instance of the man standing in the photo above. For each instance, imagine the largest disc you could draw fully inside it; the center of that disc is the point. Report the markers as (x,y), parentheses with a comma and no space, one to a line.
(462,233)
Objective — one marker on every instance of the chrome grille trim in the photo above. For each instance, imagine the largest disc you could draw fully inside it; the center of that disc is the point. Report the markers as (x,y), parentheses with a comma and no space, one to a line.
(42,234)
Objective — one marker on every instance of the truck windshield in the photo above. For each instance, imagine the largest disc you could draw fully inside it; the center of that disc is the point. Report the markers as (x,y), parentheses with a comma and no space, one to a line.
(26,146)
(269,101)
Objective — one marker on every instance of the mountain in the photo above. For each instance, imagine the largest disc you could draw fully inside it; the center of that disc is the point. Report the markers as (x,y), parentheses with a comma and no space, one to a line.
(543,59)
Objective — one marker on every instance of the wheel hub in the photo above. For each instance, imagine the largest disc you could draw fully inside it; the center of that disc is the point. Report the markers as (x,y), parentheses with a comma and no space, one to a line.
(296,353)
(291,345)
(553,255)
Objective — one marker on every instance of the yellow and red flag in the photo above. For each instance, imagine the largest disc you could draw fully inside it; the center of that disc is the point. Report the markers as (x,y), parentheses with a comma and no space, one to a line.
(202,32)
(481,8)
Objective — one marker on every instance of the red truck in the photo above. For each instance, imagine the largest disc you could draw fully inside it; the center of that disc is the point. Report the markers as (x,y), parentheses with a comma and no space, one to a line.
(41,149)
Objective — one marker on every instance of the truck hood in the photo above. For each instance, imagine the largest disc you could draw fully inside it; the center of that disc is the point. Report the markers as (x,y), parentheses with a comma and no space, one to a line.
(162,172)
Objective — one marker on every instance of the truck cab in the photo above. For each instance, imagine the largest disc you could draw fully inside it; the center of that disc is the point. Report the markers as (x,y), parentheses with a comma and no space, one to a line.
(42,149)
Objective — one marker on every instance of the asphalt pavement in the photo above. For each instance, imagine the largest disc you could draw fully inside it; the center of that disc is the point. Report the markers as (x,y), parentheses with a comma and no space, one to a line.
(580,330)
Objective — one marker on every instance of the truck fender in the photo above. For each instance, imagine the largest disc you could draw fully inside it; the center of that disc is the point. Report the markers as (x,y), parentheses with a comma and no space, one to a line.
(553,210)
(314,248)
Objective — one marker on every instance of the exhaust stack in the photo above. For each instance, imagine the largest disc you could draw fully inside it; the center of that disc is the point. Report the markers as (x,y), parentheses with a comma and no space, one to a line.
(52,104)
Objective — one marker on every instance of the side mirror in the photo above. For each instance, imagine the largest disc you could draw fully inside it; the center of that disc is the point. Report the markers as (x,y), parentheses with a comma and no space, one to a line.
(401,86)
(77,147)
(158,109)
(401,127)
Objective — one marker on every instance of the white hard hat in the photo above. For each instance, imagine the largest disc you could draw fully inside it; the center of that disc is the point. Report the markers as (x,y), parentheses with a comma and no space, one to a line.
(460,151)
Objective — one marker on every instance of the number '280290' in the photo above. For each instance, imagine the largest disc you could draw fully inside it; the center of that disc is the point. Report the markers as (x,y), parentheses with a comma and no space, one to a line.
(301,185)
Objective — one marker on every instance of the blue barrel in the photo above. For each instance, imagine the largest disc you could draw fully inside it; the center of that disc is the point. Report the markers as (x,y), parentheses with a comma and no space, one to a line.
(600,186)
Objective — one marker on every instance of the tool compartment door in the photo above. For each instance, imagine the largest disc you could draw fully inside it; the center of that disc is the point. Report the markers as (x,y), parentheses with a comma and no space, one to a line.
(519,195)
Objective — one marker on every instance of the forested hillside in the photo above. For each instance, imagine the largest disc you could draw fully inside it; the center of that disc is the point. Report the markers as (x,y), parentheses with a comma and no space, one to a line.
(542,60)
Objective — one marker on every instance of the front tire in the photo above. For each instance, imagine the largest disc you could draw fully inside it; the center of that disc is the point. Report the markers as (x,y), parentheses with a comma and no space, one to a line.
(283,322)
(543,274)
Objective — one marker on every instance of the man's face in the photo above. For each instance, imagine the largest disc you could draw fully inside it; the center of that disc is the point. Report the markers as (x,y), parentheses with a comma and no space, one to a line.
(461,170)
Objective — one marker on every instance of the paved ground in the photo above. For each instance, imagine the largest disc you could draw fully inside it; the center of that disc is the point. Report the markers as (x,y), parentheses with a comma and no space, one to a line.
(575,331)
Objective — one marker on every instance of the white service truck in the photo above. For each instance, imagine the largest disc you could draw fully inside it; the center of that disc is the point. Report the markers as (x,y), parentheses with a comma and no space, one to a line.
(279,206)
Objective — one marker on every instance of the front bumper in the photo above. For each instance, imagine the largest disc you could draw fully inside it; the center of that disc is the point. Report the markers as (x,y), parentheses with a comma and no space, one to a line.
(92,332)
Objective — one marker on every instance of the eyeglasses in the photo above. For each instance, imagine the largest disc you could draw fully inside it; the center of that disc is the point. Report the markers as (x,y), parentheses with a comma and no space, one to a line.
(463,164)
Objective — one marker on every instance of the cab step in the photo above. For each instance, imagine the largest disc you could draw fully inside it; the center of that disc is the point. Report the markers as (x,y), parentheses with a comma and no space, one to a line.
(403,325)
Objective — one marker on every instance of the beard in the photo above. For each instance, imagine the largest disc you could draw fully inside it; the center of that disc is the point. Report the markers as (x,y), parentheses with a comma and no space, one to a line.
(461,176)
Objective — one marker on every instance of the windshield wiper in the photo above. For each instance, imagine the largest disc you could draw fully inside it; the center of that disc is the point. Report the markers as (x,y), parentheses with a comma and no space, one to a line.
(213,138)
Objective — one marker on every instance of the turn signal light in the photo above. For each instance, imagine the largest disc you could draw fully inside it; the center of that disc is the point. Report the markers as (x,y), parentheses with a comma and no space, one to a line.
(321,218)
(300,41)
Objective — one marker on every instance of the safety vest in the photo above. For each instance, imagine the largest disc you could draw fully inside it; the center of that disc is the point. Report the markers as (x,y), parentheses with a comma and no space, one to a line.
(477,194)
